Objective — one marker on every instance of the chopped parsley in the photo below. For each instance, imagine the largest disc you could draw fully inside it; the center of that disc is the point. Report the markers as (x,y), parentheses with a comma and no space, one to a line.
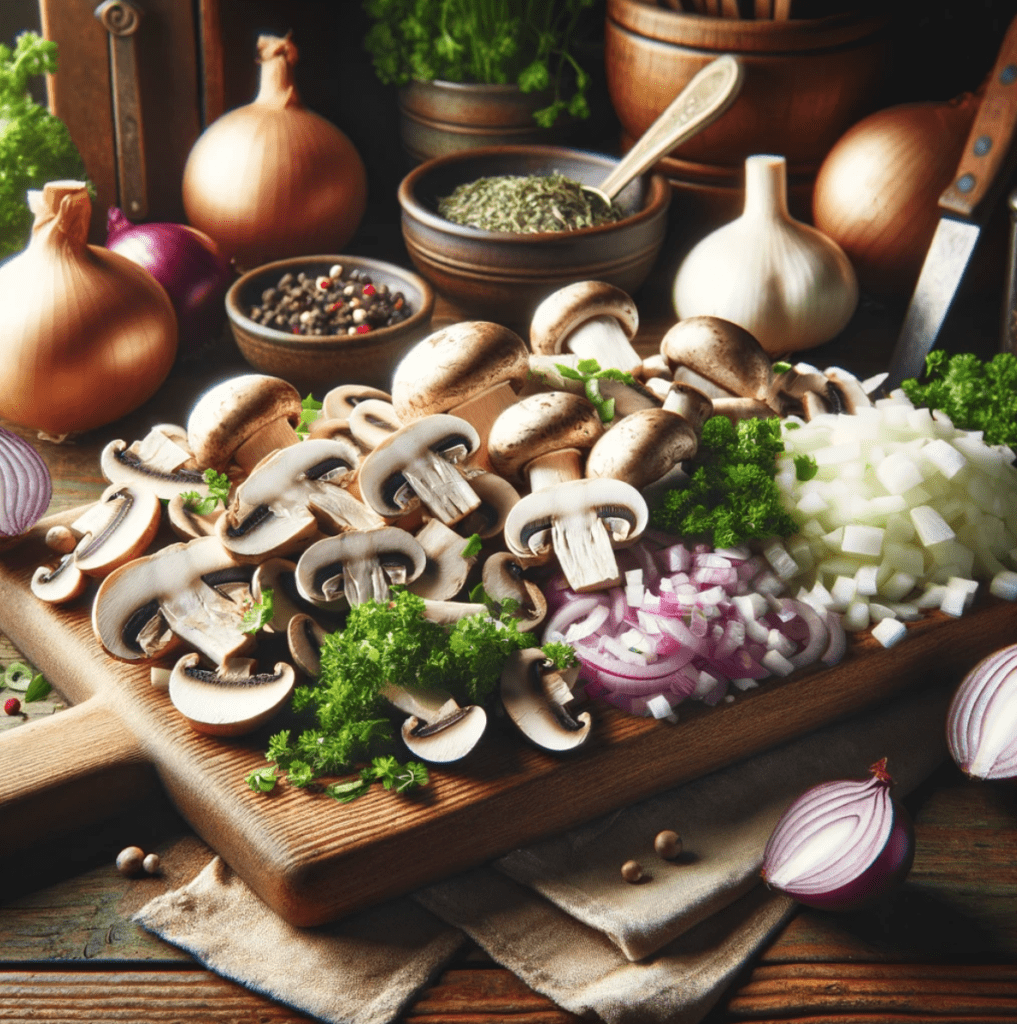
(218,490)
(260,613)
(310,410)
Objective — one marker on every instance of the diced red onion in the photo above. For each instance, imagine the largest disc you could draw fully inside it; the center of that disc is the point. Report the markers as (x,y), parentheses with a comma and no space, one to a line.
(841,845)
(25,485)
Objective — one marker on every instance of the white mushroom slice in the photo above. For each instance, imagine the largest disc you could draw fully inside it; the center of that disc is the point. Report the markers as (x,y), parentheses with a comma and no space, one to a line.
(342,400)
(581,522)
(330,428)
(643,447)
(60,583)
(157,462)
(242,420)
(543,438)
(187,524)
(419,463)
(230,701)
(497,496)
(359,566)
(117,528)
(280,505)
(446,568)
(473,369)
(536,698)
(304,636)
(175,589)
(280,576)
(798,379)
(372,421)
(438,729)
(814,404)
(707,350)
(844,391)
(592,319)
(504,579)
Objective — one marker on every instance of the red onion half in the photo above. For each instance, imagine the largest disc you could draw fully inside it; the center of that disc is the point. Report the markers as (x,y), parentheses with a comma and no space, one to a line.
(187,263)
(841,845)
(25,485)
(981,724)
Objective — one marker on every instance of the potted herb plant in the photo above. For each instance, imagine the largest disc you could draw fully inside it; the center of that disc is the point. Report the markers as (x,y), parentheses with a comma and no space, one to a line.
(480,72)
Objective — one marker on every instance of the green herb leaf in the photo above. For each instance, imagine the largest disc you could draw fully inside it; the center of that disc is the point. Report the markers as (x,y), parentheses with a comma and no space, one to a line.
(262,780)
(590,373)
(806,467)
(218,490)
(310,410)
(37,689)
(473,546)
(259,615)
(781,367)
(560,654)
(347,792)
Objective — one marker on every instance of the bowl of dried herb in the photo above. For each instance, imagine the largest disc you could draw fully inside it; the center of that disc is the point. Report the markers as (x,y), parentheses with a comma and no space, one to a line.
(497,229)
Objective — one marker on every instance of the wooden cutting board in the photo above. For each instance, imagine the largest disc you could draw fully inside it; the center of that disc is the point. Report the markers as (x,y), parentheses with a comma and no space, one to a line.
(313,859)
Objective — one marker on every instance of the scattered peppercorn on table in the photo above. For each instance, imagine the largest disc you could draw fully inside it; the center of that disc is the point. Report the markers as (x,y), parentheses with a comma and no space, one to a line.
(944,948)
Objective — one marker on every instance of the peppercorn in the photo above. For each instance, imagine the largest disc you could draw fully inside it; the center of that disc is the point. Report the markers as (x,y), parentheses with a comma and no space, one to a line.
(151,864)
(130,860)
(668,844)
(632,871)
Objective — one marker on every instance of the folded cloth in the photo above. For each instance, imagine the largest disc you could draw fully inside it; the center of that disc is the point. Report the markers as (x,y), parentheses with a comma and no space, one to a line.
(565,922)
(724,821)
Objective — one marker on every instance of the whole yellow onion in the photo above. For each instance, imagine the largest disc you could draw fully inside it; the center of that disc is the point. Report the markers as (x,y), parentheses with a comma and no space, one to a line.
(87,335)
(273,179)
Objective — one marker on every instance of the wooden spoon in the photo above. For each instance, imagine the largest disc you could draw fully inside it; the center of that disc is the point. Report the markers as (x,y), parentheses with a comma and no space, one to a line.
(710,92)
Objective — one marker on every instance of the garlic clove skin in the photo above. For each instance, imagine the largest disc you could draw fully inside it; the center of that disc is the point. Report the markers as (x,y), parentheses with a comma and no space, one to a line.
(785,282)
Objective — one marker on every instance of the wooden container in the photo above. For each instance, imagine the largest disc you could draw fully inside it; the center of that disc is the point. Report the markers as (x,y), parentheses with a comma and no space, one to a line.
(806,82)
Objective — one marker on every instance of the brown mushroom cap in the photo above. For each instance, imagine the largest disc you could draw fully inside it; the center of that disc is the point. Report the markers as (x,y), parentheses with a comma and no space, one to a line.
(538,425)
(722,352)
(231,413)
(454,365)
(642,447)
(563,311)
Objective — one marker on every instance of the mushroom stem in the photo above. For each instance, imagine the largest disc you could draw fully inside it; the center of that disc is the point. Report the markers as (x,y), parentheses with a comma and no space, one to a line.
(555,468)
(444,612)
(271,437)
(441,487)
(481,411)
(602,338)
(582,543)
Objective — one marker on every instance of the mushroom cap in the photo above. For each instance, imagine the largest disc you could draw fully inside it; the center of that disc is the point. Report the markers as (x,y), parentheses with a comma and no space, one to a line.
(304,637)
(497,496)
(563,311)
(535,709)
(504,579)
(230,413)
(60,583)
(454,365)
(120,465)
(117,528)
(446,739)
(642,447)
(539,424)
(344,398)
(722,352)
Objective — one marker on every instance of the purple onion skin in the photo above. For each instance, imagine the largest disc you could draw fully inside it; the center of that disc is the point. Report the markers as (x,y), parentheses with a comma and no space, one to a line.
(880,878)
(26,486)
(188,264)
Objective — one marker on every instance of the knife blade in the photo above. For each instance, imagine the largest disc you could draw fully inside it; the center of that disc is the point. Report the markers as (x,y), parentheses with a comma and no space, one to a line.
(965,207)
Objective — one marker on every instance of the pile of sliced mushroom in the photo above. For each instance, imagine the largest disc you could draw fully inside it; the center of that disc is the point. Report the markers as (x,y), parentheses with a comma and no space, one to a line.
(480,435)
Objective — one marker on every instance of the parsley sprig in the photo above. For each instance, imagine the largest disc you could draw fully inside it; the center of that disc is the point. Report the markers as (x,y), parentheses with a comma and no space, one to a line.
(310,410)
(590,373)
(218,490)
(260,613)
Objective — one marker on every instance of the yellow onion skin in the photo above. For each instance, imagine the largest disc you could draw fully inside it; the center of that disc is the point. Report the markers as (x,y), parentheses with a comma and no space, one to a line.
(88,335)
(273,179)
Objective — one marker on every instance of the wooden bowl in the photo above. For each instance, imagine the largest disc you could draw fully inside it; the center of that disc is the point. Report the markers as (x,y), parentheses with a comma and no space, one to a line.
(499,276)
(318,362)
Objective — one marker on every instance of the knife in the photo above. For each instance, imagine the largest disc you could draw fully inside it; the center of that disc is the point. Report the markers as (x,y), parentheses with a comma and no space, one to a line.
(965,207)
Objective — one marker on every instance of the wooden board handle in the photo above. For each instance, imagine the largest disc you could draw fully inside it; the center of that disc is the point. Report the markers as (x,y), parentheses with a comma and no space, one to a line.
(61,774)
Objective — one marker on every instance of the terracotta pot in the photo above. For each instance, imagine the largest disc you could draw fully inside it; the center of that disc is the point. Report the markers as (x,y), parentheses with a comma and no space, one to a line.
(438,118)
(806,80)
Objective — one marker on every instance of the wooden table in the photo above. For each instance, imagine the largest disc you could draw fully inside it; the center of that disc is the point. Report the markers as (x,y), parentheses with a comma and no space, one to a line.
(944,948)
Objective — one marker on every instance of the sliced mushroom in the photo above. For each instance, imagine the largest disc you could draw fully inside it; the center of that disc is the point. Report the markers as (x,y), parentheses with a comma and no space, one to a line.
(242,420)
(472,369)
(504,579)
(60,583)
(372,421)
(536,698)
(718,357)
(304,636)
(497,496)
(359,566)
(232,700)
(642,447)
(593,319)
(161,461)
(446,568)
(188,524)
(118,527)
(419,464)
(844,390)
(182,590)
(342,400)
(281,504)
(279,575)
(438,729)
(581,522)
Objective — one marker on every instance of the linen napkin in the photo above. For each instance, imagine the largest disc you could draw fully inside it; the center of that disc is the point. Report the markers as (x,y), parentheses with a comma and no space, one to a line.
(558,913)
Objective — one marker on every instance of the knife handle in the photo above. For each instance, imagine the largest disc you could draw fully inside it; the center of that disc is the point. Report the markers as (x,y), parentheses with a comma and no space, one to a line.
(991,136)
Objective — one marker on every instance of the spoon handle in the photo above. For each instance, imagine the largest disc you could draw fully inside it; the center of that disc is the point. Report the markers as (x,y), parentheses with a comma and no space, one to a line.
(710,92)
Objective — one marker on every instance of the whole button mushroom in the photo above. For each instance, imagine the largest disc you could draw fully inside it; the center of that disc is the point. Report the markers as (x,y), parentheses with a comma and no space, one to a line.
(473,369)
(643,447)
(242,420)
(594,320)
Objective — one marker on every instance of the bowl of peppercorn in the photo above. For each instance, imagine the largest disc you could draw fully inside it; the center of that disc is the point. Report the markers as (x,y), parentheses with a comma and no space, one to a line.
(495,230)
(318,321)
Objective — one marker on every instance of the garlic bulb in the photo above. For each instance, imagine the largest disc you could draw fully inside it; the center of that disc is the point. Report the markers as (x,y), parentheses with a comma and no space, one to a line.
(786,283)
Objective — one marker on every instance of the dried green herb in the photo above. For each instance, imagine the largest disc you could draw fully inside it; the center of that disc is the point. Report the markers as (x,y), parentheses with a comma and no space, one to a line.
(527,204)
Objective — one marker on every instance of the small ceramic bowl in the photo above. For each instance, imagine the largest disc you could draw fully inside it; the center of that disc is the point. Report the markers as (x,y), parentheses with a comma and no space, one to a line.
(500,276)
(324,361)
